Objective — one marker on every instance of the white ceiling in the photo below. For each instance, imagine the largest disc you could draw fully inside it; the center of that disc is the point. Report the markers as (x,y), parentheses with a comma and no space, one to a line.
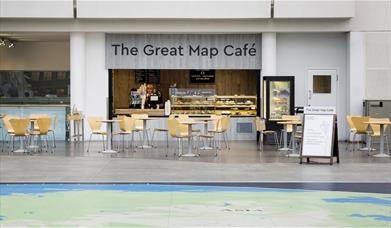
(35,36)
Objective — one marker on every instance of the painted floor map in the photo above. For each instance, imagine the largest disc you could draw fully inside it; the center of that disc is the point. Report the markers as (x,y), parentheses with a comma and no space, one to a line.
(152,205)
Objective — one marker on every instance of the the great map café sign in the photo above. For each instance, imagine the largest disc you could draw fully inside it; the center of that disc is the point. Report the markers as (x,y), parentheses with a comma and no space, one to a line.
(124,51)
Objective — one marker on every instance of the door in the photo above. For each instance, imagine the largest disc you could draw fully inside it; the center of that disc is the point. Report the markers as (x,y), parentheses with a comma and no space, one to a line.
(322,88)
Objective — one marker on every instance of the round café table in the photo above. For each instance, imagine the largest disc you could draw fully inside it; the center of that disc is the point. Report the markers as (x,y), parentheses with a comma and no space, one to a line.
(294,125)
(109,123)
(145,144)
(190,124)
(381,153)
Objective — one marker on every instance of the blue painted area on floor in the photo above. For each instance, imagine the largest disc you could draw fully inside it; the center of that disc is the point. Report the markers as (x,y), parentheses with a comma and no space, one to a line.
(368,200)
(376,217)
(7,189)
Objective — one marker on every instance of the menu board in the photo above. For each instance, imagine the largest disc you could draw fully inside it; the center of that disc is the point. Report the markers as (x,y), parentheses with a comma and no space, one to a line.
(318,135)
(202,76)
(147,76)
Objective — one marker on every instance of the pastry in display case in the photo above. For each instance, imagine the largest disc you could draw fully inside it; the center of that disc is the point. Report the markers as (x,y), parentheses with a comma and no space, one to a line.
(236,105)
(192,104)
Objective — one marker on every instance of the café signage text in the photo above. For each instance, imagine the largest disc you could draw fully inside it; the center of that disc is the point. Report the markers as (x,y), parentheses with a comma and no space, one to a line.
(228,51)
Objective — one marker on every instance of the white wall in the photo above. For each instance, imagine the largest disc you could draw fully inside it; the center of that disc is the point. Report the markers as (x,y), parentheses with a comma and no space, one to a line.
(35,56)
(36,8)
(314,8)
(378,65)
(174,9)
(298,52)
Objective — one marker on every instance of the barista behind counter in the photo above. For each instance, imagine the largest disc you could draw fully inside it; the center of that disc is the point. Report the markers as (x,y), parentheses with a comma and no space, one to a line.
(153,102)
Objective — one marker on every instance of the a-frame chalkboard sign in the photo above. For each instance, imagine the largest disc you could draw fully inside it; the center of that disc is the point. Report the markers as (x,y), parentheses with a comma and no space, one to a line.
(320,137)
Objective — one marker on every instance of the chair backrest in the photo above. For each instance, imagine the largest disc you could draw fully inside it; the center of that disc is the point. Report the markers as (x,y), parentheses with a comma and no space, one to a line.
(38,115)
(183,128)
(216,123)
(225,123)
(44,124)
(359,124)
(350,122)
(376,127)
(121,122)
(129,123)
(139,124)
(260,124)
(172,125)
(7,124)
(171,116)
(20,126)
(94,123)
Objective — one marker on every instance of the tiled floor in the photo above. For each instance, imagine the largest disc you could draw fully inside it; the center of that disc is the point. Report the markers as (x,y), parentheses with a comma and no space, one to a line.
(243,163)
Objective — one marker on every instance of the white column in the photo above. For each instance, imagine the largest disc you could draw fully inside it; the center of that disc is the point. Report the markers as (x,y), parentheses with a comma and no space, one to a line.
(356,79)
(269,60)
(269,54)
(77,66)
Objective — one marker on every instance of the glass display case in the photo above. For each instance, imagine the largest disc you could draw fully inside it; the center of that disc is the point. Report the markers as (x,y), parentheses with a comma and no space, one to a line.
(207,105)
(192,104)
(236,105)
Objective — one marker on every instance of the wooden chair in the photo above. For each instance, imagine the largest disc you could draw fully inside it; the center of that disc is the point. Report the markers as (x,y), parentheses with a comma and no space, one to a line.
(222,128)
(127,128)
(162,130)
(361,127)
(95,126)
(53,129)
(20,130)
(43,125)
(139,124)
(351,133)
(9,131)
(260,126)
(176,133)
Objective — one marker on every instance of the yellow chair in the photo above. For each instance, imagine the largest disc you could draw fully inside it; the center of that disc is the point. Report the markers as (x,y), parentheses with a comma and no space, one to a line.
(376,131)
(53,129)
(360,126)
(222,128)
(95,126)
(127,128)
(260,126)
(139,124)
(175,132)
(20,130)
(352,130)
(8,128)
(162,130)
(43,125)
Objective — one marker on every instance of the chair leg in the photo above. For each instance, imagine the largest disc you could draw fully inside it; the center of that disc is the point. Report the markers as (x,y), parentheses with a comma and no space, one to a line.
(369,144)
(166,144)
(153,136)
(89,142)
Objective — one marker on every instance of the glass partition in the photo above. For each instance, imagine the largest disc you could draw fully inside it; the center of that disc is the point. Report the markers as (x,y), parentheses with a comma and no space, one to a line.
(34,87)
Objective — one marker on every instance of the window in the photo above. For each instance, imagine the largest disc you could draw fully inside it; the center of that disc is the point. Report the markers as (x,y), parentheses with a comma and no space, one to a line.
(34,87)
(321,84)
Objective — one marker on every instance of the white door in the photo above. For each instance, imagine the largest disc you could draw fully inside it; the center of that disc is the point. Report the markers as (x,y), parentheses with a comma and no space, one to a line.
(322,88)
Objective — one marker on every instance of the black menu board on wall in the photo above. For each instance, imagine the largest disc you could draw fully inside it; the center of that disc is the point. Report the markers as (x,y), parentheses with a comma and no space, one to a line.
(147,76)
(202,76)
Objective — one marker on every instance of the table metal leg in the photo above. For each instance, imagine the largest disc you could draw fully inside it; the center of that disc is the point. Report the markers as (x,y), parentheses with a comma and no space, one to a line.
(285,148)
(381,154)
(145,136)
(190,146)
(293,154)
(109,149)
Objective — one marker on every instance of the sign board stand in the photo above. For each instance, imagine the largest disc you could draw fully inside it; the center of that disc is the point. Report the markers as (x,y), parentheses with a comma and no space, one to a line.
(320,137)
